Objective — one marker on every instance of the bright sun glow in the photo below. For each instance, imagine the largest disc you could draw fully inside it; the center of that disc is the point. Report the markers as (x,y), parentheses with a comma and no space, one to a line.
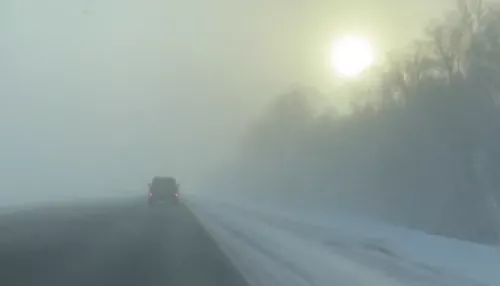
(351,55)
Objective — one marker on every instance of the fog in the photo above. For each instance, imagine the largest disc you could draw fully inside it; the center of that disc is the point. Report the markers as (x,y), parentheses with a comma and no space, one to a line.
(96,97)
(418,145)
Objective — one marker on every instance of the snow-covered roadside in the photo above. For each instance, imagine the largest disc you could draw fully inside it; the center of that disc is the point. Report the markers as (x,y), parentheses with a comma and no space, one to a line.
(278,246)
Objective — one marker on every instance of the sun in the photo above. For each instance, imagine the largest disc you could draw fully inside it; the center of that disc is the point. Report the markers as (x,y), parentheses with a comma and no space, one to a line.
(351,55)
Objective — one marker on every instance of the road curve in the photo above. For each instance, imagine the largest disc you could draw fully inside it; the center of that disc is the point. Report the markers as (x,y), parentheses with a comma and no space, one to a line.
(110,244)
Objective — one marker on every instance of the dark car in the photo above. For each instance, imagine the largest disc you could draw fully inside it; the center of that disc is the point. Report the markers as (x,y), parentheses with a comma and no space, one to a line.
(164,190)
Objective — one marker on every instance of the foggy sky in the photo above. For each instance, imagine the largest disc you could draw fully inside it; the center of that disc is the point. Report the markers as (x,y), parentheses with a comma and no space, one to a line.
(99,96)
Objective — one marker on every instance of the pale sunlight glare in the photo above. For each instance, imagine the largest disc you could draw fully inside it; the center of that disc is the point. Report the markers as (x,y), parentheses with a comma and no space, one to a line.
(351,55)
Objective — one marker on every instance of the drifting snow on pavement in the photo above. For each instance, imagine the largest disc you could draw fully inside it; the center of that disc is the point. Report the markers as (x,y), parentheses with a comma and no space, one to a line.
(275,246)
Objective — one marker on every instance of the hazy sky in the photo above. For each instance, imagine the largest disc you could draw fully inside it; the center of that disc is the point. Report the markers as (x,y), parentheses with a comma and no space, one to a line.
(99,95)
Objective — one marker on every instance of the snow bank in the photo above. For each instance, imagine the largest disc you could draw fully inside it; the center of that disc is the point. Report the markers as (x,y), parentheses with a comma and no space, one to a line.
(276,245)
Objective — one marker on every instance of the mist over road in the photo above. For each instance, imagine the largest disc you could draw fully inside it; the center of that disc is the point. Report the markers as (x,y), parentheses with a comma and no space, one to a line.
(122,243)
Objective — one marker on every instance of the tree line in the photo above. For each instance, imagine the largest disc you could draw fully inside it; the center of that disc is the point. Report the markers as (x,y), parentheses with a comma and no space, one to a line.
(419,147)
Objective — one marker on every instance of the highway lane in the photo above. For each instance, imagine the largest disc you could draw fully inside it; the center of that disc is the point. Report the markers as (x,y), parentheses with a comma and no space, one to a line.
(110,244)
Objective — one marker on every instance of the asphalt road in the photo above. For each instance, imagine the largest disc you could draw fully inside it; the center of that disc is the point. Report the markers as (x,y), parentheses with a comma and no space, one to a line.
(110,244)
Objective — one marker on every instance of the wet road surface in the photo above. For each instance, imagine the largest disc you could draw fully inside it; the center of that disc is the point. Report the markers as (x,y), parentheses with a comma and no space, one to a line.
(110,244)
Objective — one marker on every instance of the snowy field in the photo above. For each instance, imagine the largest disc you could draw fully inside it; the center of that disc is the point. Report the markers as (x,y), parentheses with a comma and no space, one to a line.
(276,245)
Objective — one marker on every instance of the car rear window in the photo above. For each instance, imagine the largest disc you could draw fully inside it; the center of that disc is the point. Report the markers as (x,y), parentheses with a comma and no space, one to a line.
(164,185)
